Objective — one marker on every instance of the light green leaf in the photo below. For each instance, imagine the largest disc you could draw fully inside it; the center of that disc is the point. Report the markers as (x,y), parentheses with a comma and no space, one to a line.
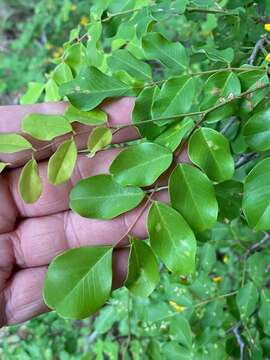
(210,150)
(256,200)
(143,269)
(173,55)
(32,94)
(99,138)
(264,311)
(92,117)
(79,281)
(192,194)
(246,300)
(12,143)
(123,60)
(175,98)
(141,164)
(62,163)
(100,197)
(142,112)
(180,330)
(2,166)
(52,91)
(171,238)
(45,127)
(62,74)
(91,87)
(172,137)
(257,131)
(220,87)
(75,57)
(30,184)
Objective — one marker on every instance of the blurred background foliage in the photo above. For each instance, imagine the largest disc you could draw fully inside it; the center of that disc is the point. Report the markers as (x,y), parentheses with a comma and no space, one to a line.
(32,34)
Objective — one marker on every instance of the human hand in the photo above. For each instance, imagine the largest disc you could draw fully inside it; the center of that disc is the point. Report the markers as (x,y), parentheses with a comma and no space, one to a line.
(32,235)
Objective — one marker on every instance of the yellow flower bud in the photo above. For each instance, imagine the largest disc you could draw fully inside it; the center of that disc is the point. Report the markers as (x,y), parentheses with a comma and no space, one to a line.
(217,279)
(268,58)
(267,27)
(73,7)
(177,308)
(48,46)
(225,259)
(84,21)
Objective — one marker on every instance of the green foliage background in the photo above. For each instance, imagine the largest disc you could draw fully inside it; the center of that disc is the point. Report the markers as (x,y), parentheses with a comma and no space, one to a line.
(230,255)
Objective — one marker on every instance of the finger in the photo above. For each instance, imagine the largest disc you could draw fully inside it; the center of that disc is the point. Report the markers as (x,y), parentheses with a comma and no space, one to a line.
(37,241)
(22,299)
(119,112)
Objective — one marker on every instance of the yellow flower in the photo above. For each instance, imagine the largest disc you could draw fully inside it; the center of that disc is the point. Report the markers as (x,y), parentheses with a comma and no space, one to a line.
(268,58)
(217,279)
(84,21)
(57,53)
(267,27)
(73,7)
(177,308)
(225,259)
(48,46)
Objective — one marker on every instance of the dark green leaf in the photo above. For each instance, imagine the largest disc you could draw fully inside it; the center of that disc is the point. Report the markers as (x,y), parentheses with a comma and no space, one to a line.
(210,150)
(143,269)
(171,238)
(79,281)
(180,330)
(141,164)
(264,311)
(246,300)
(192,194)
(257,131)
(101,197)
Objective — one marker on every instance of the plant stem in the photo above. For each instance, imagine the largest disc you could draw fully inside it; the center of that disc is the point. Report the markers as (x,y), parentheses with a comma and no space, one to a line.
(209,11)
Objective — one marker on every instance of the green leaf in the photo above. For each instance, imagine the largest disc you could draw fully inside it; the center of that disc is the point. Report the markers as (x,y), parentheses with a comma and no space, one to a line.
(79,281)
(30,184)
(75,57)
(210,150)
(123,60)
(226,55)
(173,55)
(100,197)
(142,112)
(172,137)
(45,127)
(173,351)
(12,143)
(62,74)
(52,91)
(62,163)
(175,98)
(93,117)
(229,196)
(99,138)
(207,257)
(143,269)
(220,87)
(264,311)
(171,238)
(2,166)
(257,131)
(256,200)
(246,300)
(180,330)
(141,164)
(192,194)
(32,94)
(91,87)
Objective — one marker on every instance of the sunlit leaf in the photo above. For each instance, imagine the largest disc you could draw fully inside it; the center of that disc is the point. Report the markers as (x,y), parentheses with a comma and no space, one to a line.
(32,94)
(30,183)
(101,197)
(171,238)
(62,74)
(45,127)
(12,143)
(98,139)
(141,164)
(62,163)
(79,281)
(92,117)
(52,91)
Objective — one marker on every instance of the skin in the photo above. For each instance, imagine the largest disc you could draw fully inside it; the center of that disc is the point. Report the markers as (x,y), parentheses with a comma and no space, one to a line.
(32,235)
